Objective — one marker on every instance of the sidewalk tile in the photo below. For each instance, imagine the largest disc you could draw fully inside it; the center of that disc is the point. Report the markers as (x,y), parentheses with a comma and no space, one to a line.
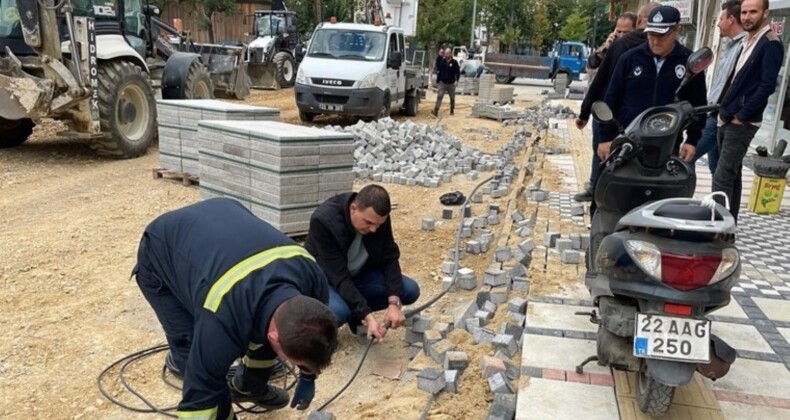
(757,378)
(547,399)
(558,353)
(547,315)
(741,337)
(774,309)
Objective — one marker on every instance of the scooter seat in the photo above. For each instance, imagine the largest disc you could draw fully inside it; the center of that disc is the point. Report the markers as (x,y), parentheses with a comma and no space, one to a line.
(686,212)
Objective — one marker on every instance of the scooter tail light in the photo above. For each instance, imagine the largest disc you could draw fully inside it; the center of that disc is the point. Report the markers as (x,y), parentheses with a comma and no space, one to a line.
(646,256)
(730,259)
(688,272)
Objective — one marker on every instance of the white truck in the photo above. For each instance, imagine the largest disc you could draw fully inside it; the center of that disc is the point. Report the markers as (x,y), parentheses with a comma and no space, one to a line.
(358,69)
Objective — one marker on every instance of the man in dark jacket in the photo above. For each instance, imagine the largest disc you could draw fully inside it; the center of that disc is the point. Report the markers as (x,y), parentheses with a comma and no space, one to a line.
(598,87)
(350,236)
(746,96)
(224,285)
(649,75)
(448,73)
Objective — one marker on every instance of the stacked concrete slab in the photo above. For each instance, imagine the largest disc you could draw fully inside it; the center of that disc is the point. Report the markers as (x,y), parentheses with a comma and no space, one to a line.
(490,93)
(279,171)
(178,126)
(495,112)
(468,86)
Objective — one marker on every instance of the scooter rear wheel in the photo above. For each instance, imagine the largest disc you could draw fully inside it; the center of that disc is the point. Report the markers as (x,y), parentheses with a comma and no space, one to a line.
(653,397)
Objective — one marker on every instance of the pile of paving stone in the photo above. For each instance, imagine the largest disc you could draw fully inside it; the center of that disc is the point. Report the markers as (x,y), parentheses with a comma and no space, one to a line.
(418,154)
(279,171)
(495,112)
(468,86)
(178,126)
(540,115)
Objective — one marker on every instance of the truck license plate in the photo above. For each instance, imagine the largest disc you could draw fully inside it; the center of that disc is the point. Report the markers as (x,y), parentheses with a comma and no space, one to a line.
(330,107)
(672,338)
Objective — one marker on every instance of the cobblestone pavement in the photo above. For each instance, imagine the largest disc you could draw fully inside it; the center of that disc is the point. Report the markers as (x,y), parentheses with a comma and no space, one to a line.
(756,323)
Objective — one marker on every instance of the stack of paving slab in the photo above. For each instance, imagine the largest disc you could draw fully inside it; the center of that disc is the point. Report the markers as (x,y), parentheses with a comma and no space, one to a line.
(178,127)
(468,86)
(412,154)
(279,171)
(496,112)
(490,93)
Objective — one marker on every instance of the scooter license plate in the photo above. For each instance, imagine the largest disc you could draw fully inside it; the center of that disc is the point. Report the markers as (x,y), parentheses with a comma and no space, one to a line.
(672,338)
(330,107)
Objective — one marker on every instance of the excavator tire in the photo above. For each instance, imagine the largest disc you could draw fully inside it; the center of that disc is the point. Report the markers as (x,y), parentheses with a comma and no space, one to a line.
(198,85)
(127,110)
(286,69)
(15,132)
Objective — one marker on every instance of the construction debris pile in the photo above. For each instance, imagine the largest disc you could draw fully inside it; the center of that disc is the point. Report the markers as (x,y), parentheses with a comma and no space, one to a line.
(418,154)
(539,116)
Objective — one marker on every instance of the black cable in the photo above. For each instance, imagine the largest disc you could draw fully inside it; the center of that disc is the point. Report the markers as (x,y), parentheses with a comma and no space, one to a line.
(422,307)
(127,360)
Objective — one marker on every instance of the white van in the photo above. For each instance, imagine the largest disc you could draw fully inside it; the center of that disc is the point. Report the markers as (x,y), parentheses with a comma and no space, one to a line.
(358,70)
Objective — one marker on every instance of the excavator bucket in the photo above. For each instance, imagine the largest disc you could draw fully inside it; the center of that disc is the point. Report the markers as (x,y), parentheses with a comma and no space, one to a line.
(263,76)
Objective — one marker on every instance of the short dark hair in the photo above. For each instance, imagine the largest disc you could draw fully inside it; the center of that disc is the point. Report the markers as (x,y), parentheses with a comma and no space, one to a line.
(630,16)
(374,196)
(733,8)
(308,331)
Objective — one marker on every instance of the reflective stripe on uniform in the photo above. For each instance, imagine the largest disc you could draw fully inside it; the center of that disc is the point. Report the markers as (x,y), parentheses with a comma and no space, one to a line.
(241,270)
(254,346)
(207,414)
(257,363)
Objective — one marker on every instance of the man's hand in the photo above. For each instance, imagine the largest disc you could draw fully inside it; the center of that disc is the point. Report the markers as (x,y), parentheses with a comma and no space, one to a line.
(455,84)
(736,121)
(375,329)
(687,152)
(603,149)
(395,317)
(580,123)
(305,391)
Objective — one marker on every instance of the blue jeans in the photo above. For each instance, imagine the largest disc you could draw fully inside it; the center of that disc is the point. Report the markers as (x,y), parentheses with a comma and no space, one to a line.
(708,143)
(595,169)
(373,288)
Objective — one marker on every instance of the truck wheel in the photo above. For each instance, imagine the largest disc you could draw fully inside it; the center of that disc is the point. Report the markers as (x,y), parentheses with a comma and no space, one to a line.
(306,116)
(653,398)
(410,106)
(15,132)
(198,83)
(385,107)
(127,110)
(285,69)
(504,79)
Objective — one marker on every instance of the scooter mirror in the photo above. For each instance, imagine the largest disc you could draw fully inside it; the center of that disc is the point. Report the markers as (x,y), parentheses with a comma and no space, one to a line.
(602,112)
(699,60)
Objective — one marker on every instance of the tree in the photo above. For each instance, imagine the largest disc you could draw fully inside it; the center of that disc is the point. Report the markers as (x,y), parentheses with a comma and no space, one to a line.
(205,11)
(448,21)
(576,28)
(542,35)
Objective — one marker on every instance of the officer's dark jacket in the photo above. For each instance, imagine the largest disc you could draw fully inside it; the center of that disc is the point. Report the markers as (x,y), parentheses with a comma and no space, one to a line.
(231,276)
(748,93)
(635,87)
(329,238)
(600,82)
(449,71)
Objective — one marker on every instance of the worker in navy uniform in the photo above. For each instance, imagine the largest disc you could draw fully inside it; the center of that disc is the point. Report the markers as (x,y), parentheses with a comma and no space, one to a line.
(350,236)
(649,75)
(226,285)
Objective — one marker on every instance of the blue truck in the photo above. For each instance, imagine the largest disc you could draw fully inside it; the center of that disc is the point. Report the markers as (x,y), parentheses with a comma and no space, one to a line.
(569,57)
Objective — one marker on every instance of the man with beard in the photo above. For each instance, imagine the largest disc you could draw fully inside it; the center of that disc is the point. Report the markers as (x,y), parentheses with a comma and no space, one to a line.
(746,96)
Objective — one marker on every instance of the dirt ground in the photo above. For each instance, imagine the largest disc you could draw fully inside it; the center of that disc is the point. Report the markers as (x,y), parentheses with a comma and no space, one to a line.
(72,223)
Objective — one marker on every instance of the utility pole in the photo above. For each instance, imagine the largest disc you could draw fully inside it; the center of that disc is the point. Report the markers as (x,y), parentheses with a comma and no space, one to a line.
(474,14)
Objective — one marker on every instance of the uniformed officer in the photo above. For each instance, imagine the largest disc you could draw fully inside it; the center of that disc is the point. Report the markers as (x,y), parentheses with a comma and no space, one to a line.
(649,75)
(224,285)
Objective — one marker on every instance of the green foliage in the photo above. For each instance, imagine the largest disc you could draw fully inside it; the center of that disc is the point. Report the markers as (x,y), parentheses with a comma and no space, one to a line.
(542,38)
(204,12)
(576,28)
(444,21)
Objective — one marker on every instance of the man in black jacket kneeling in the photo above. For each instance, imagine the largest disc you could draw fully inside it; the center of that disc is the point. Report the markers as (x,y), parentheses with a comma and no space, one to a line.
(351,238)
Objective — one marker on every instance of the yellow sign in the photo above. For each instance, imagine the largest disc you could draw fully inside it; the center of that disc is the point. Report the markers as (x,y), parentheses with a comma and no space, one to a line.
(766,195)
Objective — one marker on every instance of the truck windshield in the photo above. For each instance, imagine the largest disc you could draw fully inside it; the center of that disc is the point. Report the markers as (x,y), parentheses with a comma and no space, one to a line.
(269,25)
(346,44)
(10,26)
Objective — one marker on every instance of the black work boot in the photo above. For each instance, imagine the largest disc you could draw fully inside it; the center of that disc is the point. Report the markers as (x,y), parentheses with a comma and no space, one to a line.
(435,112)
(272,398)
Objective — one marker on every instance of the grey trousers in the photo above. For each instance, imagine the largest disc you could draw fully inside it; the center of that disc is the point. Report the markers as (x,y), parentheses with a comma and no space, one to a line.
(450,90)
(733,142)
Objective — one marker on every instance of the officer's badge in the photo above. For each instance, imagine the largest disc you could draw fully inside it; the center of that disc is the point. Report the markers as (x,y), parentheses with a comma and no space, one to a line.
(658,18)
(637,70)
(680,71)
